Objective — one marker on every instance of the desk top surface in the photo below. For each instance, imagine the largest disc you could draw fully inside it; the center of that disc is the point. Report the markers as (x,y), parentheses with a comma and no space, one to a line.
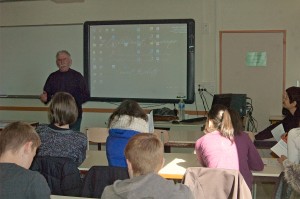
(177,163)
(276,117)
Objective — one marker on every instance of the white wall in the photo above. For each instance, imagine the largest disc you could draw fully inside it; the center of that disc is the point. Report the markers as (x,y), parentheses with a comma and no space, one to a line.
(218,14)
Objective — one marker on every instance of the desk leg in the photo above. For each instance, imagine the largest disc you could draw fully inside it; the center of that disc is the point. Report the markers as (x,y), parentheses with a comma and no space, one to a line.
(167,149)
(254,187)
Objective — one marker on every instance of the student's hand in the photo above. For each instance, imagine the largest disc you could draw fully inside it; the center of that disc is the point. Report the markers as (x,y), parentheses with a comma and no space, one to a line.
(281,159)
(44,97)
(284,137)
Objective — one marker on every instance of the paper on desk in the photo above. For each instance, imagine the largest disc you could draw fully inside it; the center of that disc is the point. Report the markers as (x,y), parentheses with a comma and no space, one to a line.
(280,148)
(277,132)
(150,122)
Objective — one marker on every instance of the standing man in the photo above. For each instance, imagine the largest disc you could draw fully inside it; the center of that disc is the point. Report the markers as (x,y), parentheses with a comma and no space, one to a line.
(67,80)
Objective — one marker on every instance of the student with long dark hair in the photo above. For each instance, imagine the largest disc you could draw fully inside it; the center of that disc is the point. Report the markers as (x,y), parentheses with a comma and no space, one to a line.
(291,110)
(249,158)
(126,121)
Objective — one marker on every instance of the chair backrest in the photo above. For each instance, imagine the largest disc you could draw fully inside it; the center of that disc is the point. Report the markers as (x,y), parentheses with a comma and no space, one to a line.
(97,135)
(216,183)
(61,174)
(163,135)
(98,177)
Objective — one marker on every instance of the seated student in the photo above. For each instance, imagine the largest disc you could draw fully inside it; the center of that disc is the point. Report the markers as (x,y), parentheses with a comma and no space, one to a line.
(293,146)
(126,121)
(221,148)
(217,148)
(289,185)
(249,158)
(291,110)
(18,144)
(58,140)
(144,156)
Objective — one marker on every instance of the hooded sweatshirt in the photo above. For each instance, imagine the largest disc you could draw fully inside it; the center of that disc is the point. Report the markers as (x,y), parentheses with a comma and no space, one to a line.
(146,186)
(292,176)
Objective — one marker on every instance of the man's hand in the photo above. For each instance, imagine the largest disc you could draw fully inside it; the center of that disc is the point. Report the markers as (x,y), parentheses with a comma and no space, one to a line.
(44,97)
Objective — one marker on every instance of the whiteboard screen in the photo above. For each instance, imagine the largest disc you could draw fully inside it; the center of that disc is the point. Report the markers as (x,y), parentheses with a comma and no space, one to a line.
(149,61)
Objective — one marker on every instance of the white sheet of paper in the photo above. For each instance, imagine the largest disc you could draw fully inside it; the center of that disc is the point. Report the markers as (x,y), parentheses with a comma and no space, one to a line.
(277,132)
(150,122)
(280,148)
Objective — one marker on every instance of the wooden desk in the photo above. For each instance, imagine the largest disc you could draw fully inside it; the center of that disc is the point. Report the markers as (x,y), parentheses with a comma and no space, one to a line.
(271,173)
(3,123)
(174,167)
(177,163)
(275,118)
(182,136)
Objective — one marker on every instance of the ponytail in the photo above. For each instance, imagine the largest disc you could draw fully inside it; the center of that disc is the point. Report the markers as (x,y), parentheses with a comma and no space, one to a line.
(218,118)
(226,127)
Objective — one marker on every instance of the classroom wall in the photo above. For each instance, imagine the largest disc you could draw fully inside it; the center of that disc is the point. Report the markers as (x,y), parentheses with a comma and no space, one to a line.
(217,14)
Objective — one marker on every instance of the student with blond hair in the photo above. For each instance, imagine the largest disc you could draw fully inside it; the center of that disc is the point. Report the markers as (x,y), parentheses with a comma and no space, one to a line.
(217,149)
(18,145)
(144,157)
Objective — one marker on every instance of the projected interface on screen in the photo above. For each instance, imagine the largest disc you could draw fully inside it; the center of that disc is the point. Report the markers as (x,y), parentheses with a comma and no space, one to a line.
(140,61)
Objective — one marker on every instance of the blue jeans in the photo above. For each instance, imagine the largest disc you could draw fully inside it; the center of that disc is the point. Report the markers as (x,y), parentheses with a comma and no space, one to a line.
(76,125)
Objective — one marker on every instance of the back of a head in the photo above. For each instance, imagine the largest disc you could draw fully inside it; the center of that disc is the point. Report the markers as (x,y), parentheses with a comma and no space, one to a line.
(15,135)
(294,94)
(145,153)
(130,108)
(63,109)
(218,118)
(236,121)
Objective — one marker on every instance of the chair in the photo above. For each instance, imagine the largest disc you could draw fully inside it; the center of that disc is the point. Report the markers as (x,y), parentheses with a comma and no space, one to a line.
(163,135)
(97,135)
(216,183)
(98,177)
(61,174)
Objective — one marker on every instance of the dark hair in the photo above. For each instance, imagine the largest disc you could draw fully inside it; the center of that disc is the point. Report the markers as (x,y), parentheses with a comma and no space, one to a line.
(294,94)
(63,109)
(236,121)
(130,108)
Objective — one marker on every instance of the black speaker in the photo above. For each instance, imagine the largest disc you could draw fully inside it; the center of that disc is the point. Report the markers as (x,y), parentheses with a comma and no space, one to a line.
(234,101)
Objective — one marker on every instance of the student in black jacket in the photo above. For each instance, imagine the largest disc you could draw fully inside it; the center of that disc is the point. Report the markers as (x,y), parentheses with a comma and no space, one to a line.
(291,110)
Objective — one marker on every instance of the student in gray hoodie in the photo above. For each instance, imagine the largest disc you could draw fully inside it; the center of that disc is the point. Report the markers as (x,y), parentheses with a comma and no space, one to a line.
(144,157)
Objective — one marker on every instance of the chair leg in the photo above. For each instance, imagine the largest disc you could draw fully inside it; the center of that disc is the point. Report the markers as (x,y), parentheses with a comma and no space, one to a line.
(167,149)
